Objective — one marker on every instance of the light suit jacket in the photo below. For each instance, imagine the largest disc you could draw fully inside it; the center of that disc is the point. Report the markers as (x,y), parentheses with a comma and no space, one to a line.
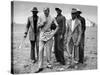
(76,33)
(30,27)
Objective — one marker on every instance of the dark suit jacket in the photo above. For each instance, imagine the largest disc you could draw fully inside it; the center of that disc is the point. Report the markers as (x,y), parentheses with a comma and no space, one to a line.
(61,20)
(76,33)
(82,19)
(83,24)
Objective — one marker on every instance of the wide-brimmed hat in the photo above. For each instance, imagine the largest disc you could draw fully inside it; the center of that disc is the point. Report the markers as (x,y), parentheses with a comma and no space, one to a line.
(34,9)
(79,11)
(74,10)
(58,9)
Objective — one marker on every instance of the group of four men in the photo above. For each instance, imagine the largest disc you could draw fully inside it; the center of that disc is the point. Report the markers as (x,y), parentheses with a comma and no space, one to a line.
(43,30)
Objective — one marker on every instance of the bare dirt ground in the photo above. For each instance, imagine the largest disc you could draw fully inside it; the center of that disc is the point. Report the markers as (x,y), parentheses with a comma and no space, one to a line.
(23,64)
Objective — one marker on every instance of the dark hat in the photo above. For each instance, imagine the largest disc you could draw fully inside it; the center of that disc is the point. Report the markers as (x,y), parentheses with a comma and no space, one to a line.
(58,9)
(34,9)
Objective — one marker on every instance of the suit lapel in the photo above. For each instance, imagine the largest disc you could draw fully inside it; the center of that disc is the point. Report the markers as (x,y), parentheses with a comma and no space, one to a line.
(70,24)
(75,25)
(32,22)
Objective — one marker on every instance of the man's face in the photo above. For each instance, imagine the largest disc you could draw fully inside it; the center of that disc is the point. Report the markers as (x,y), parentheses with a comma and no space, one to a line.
(77,14)
(46,12)
(58,12)
(34,12)
(73,15)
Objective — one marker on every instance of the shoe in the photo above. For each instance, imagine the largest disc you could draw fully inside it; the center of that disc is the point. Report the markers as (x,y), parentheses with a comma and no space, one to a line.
(49,66)
(41,69)
(76,66)
(71,66)
(62,63)
(61,69)
(34,61)
(81,62)
(76,62)
(68,62)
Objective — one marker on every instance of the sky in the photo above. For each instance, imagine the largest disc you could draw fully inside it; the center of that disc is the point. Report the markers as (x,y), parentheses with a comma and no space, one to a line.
(22,10)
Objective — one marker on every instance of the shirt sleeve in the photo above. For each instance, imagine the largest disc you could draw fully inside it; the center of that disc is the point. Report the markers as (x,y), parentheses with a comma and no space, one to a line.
(40,22)
(64,26)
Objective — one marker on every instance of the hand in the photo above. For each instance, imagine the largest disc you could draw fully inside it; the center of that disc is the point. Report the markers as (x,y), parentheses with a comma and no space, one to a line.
(45,22)
(25,35)
(61,36)
(76,44)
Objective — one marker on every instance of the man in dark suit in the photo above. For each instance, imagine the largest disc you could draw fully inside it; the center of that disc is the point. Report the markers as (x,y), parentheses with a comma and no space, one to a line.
(59,37)
(81,46)
(31,27)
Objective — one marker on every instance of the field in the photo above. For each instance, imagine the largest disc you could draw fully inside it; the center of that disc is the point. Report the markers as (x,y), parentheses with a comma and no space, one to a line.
(22,63)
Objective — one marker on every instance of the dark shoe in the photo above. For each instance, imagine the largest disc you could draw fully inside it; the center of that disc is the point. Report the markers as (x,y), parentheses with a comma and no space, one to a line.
(49,66)
(71,66)
(62,63)
(60,69)
(41,69)
(81,62)
(34,61)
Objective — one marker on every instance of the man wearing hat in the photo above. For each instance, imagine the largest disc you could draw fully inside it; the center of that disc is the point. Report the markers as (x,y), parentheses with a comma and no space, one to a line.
(31,27)
(59,37)
(81,46)
(74,32)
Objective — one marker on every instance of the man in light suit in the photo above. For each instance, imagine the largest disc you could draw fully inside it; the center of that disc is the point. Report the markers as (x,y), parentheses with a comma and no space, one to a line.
(45,42)
(74,32)
(31,27)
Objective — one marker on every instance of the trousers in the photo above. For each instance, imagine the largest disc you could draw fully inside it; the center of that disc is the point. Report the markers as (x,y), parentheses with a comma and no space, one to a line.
(47,47)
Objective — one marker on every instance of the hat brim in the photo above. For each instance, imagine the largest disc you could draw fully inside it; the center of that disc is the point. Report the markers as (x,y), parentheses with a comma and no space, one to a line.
(34,11)
(79,12)
(73,12)
(57,9)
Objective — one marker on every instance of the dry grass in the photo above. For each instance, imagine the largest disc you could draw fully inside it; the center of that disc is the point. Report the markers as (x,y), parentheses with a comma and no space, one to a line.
(22,62)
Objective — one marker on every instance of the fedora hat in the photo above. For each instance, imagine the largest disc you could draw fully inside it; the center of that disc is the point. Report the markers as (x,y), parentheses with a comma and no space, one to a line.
(74,10)
(34,9)
(79,11)
(58,9)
